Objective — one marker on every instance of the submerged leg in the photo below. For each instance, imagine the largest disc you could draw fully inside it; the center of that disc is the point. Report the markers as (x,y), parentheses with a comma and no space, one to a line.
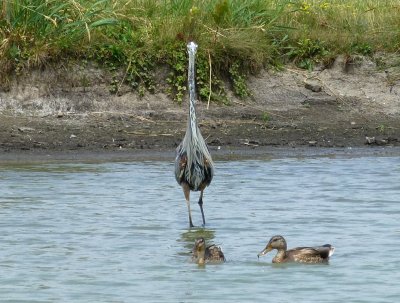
(201,207)
(186,191)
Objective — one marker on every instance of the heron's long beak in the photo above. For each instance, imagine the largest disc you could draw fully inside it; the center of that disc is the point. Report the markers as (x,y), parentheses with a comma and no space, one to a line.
(266,249)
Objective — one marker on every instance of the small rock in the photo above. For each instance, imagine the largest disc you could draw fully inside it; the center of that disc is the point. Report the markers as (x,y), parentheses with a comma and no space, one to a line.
(25,129)
(323,100)
(370,140)
(377,141)
(149,113)
(312,143)
(38,144)
(313,86)
(254,142)
(354,125)
(249,142)
(215,141)
(381,141)
(60,114)
(72,136)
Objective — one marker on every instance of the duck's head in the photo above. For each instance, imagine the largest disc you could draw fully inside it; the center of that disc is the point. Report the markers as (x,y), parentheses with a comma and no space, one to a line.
(199,245)
(276,242)
(199,250)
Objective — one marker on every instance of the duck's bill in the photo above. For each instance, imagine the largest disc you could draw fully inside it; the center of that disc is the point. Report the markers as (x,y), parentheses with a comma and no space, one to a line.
(266,250)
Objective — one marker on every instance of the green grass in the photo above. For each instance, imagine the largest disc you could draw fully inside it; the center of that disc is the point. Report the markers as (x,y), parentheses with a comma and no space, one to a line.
(240,36)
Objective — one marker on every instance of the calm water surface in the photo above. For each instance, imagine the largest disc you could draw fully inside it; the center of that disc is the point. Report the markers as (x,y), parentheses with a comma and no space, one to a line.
(118,232)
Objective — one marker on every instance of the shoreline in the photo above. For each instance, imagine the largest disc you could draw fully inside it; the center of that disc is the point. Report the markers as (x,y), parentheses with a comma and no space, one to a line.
(223,154)
(334,108)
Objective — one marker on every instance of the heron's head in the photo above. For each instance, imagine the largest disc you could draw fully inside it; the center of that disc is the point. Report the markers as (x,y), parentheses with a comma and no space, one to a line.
(276,242)
(192,47)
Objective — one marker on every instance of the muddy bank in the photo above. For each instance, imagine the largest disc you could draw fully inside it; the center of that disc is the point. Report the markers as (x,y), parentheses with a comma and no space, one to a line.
(36,156)
(70,108)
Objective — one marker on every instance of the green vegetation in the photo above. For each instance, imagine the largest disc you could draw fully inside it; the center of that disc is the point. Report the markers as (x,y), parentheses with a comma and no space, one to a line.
(235,37)
(381,128)
(266,117)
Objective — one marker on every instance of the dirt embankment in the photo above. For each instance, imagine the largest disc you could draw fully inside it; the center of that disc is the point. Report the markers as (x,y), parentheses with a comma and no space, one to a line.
(349,104)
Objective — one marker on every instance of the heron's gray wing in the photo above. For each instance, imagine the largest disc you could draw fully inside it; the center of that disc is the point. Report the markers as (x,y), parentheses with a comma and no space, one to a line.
(180,164)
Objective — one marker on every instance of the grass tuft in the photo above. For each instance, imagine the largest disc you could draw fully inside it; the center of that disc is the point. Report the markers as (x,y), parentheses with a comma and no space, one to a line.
(237,37)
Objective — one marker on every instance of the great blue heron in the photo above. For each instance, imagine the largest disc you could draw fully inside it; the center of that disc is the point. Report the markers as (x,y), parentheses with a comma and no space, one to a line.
(194,168)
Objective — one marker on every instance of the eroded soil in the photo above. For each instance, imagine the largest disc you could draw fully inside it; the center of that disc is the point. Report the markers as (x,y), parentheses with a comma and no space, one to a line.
(338,107)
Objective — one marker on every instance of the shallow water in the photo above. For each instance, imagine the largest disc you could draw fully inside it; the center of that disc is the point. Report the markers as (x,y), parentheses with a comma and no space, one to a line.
(118,231)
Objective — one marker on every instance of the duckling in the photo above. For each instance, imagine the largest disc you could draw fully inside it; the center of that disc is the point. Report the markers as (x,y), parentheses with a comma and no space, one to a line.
(318,254)
(209,254)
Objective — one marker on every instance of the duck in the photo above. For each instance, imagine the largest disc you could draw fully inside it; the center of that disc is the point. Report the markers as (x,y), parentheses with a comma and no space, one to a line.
(311,255)
(207,254)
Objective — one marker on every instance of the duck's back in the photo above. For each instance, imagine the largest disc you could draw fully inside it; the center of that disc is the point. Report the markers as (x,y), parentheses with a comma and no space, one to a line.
(214,254)
(318,254)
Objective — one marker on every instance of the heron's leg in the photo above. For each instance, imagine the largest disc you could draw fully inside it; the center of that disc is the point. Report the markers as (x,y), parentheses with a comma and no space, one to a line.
(186,191)
(201,207)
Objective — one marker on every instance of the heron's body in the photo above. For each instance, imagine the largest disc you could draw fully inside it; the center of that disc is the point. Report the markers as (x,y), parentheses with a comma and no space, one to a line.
(194,168)
(207,254)
(311,255)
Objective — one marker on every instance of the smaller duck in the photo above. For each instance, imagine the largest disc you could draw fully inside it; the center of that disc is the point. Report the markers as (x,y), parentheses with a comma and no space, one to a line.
(209,254)
(312,255)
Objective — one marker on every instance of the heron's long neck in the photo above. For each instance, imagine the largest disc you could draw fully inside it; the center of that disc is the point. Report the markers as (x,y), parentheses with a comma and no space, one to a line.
(192,93)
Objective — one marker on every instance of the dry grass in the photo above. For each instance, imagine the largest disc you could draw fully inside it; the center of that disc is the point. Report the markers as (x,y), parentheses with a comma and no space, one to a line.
(347,25)
(255,32)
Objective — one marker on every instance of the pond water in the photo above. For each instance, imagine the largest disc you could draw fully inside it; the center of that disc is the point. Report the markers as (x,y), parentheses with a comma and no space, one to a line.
(118,231)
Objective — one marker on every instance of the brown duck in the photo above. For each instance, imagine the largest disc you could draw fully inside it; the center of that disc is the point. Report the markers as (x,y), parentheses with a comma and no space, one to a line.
(209,254)
(318,254)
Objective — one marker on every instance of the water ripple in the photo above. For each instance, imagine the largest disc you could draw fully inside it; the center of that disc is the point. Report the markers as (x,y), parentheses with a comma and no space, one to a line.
(110,232)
